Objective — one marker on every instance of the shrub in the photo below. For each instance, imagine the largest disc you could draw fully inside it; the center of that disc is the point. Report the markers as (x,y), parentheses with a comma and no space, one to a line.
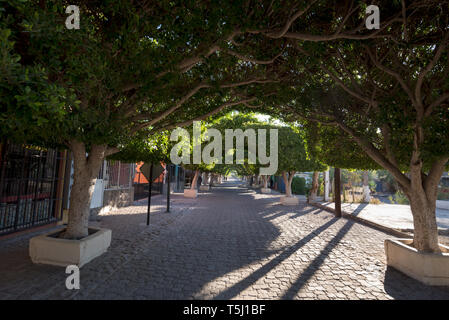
(299,185)
(399,198)
(443,193)
(443,196)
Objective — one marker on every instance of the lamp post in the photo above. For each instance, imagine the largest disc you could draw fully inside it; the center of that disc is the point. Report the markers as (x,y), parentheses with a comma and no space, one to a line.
(168,187)
(337,193)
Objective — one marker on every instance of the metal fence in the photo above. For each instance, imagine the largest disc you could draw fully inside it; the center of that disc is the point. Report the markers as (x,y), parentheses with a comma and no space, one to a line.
(31,181)
(118,175)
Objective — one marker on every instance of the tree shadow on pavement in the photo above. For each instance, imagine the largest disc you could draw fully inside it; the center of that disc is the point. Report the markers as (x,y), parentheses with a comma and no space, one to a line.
(359,209)
(224,233)
(317,262)
(233,291)
(306,211)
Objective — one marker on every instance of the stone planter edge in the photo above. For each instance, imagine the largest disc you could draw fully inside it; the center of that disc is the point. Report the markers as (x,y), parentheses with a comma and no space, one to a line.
(63,252)
(428,268)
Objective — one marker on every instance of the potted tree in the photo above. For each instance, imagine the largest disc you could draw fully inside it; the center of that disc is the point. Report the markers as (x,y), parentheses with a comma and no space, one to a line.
(121,73)
(388,94)
(265,188)
(293,157)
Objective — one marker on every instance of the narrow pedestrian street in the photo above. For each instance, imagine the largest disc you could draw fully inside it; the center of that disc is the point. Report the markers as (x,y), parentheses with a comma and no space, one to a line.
(229,243)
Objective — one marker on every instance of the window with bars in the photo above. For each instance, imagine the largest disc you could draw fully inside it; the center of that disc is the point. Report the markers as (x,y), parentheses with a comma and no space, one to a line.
(118,175)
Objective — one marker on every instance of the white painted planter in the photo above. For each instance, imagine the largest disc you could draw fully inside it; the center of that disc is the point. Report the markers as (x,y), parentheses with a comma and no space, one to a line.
(204,187)
(429,268)
(442,204)
(289,201)
(63,252)
(265,190)
(189,193)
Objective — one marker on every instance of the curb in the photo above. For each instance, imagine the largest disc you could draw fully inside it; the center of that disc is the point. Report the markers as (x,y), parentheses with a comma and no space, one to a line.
(368,223)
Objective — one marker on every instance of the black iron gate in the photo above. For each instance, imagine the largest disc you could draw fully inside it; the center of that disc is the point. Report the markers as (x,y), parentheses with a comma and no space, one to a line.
(31,186)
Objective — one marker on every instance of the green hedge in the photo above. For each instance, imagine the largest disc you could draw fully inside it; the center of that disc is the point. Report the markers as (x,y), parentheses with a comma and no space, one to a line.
(299,185)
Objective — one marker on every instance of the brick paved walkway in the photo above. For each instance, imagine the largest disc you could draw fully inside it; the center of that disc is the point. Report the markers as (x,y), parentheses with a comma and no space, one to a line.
(231,243)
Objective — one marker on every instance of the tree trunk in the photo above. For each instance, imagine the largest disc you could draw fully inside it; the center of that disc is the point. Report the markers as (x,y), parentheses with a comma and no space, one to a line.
(313,191)
(203,180)
(265,181)
(422,195)
(194,180)
(366,191)
(86,169)
(424,220)
(420,188)
(288,182)
(291,174)
(332,188)
(326,186)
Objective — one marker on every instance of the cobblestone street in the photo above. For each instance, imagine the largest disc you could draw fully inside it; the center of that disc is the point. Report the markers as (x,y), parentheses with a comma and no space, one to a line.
(230,243)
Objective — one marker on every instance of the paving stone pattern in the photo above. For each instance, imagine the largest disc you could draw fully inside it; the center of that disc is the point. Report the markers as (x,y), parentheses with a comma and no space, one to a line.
(230,243)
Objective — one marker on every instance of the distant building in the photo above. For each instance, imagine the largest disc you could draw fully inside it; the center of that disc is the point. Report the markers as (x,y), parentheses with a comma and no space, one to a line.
(35,186)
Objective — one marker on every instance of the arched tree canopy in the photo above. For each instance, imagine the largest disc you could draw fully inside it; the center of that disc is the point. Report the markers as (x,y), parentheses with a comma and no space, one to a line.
(140,67)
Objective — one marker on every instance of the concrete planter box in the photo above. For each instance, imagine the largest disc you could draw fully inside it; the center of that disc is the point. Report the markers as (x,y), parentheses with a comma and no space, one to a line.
(265,190)
(47,249)
(204,188)
(442,204)
(431,269)
(189,193)
(289,201)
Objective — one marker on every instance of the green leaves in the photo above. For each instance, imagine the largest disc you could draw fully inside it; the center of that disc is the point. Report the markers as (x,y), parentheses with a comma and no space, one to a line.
(152,150)
(293,155)
(130,64)
(336,149)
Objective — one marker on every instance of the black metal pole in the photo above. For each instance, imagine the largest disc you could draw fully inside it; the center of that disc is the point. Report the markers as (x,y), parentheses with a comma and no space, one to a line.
(168,188)
(20,183)
(337,193)
(150,186)
(36,189)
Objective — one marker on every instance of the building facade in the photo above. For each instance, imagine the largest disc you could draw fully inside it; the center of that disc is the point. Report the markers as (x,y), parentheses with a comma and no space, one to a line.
(35,186)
